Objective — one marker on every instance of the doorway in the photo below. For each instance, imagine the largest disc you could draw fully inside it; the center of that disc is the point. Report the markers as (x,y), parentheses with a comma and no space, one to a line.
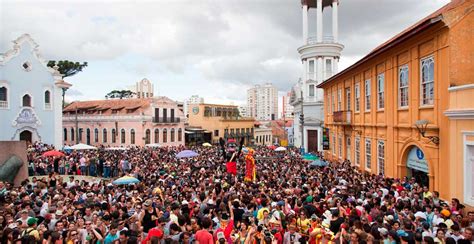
(26,135)
(348,148)
(312,140)
(420,177)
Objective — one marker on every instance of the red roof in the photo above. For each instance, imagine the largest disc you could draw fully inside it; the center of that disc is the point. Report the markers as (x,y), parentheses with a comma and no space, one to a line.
(132,103)
(424,23)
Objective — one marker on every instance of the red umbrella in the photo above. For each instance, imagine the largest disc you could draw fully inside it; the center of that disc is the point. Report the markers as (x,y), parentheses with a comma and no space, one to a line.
(53,153)
(272,147)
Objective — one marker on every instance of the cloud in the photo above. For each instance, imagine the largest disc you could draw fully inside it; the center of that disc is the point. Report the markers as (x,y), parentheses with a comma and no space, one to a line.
(225,45)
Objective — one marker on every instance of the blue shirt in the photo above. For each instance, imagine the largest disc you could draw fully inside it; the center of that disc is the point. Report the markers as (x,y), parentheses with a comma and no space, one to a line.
(111,238)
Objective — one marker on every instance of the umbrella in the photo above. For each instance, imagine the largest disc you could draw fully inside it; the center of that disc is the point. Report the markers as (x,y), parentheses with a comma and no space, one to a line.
(318,163)
(279,149)
(245,149)
(310,157)
(53,153)
(82,146)
(126,180)
(187,154)
(272,147)
(206,144)
(152,145)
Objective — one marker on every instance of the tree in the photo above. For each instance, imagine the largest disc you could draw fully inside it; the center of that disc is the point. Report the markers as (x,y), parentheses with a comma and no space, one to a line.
(67,68)
(120,94)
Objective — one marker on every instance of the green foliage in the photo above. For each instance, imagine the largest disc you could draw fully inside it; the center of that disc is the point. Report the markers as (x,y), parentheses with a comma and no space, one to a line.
(120,94)
(67,68)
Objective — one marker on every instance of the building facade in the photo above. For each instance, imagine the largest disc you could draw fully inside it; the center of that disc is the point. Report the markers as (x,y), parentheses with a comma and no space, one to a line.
(320,57)
(262,102)
(124,122)
(222,121)
(144,89)
(30,95)
(189,102)
(406,108)
(287,109)
(263,135)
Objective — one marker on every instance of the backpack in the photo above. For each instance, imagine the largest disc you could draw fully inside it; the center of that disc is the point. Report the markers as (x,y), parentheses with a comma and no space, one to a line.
(26,238)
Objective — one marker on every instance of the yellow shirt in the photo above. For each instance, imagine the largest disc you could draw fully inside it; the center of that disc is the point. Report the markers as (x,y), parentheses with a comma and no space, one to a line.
(260,213)
(303,225)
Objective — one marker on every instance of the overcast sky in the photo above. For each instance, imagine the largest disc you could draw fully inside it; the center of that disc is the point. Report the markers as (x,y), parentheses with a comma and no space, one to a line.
(216,49)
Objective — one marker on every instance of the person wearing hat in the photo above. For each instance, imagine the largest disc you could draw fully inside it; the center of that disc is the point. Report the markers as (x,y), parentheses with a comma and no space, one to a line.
(31,230)
(148,216)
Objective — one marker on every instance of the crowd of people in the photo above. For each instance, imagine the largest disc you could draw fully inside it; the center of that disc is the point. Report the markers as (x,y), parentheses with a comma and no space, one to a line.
(195,200)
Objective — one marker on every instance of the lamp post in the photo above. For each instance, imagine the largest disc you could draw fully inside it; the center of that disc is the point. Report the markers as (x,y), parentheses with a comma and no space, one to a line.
(421,125)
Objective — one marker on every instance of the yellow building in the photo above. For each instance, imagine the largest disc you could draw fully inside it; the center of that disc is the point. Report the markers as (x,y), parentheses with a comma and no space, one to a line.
(406,108)
(222,121)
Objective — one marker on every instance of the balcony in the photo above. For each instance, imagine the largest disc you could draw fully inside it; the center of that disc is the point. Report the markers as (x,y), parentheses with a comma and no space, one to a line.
(314,40)
(342,117)
(168,120)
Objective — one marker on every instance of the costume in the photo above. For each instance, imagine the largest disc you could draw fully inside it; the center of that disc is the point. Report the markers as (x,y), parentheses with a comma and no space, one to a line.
(250,171)
(230,154)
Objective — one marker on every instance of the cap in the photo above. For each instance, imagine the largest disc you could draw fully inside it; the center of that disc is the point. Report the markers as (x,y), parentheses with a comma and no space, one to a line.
(445,213)
(147,203)
(59,212)
(420,215)
(184,202)
(31,221)
(281,203)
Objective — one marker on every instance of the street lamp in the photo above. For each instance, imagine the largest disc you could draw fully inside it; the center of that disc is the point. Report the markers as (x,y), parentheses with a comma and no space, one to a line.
(421,125)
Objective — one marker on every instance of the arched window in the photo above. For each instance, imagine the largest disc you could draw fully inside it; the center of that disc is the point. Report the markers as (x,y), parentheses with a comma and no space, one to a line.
(96,135)
(88,136)
(104,135)
(47,100)
(132,136)
(122,136)
(3,97)
(65,134)
(26,100)
(180,134)
(172,135)
(147,136)
(114,136)
(157,136)
(165,136)
(72,134)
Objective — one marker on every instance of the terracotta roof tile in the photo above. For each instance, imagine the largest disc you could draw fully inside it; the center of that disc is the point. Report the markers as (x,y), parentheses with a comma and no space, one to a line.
(132,103)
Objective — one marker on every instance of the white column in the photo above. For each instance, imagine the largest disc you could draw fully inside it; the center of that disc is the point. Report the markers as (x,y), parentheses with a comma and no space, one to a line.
(319,78)
(305,24)
(334,20)
(336,62)
(319,20)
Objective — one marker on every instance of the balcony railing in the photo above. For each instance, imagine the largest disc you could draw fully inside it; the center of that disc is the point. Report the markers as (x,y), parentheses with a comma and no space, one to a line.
(342,117)
(166,120)
(314,40)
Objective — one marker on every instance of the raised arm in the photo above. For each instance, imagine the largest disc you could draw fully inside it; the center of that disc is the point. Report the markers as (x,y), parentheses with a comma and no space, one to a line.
(240,147)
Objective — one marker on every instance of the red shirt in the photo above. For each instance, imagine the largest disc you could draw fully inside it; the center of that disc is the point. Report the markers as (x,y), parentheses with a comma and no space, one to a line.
(204,237)
(153,232)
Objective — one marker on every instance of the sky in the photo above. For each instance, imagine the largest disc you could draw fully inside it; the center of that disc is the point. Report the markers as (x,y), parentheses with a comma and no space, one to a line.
(216,49)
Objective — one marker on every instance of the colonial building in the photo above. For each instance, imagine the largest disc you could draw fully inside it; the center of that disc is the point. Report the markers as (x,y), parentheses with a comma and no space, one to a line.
(263,134)
(222,121)
(30,95)
(124,122)
(262,102)
(406,108)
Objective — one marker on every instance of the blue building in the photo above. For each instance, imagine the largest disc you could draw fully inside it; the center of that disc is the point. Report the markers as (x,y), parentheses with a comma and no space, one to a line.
(30,95)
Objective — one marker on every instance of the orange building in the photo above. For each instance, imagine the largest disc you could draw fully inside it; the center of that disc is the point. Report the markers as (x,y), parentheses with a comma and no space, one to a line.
(406,109)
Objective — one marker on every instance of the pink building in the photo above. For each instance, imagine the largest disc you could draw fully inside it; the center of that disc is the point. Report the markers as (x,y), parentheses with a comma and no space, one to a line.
(124,122)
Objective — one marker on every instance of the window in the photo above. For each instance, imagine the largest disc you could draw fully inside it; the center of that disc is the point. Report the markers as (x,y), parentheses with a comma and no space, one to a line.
(311,90)
(333,102)
(132,136)
(367,95)
(357,97)
(165,136)
(122,132)
(3,97)
(328,102)
(311,66)
(368,154)
(72,134)
(328,67)
(172,135)
(357,151)
(180,134)
(348,99)
(339,142)
(147,136)
(380,91)
(334,144)
(104,135)
(427,81)
(216,132)
(80,135)
(339,99)
(47,100)
(403,86)
(114,135)
(26,100)
(157,136)
(96,135)
(381,157)
(65,134)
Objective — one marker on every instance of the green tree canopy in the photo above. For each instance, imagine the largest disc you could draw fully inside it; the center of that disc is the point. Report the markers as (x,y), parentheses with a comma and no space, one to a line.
(120,94)
(67,68)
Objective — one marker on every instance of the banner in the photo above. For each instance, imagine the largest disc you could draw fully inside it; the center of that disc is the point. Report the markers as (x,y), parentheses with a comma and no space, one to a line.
(326,138)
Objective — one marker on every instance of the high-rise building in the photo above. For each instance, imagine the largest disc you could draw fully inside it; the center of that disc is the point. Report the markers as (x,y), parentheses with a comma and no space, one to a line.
(319,55)
(243,111)
(194,99)
(143,89)
(262,102)
(287,109)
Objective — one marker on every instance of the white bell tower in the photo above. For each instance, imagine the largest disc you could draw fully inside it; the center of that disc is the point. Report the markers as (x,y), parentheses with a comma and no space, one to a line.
(319,53)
